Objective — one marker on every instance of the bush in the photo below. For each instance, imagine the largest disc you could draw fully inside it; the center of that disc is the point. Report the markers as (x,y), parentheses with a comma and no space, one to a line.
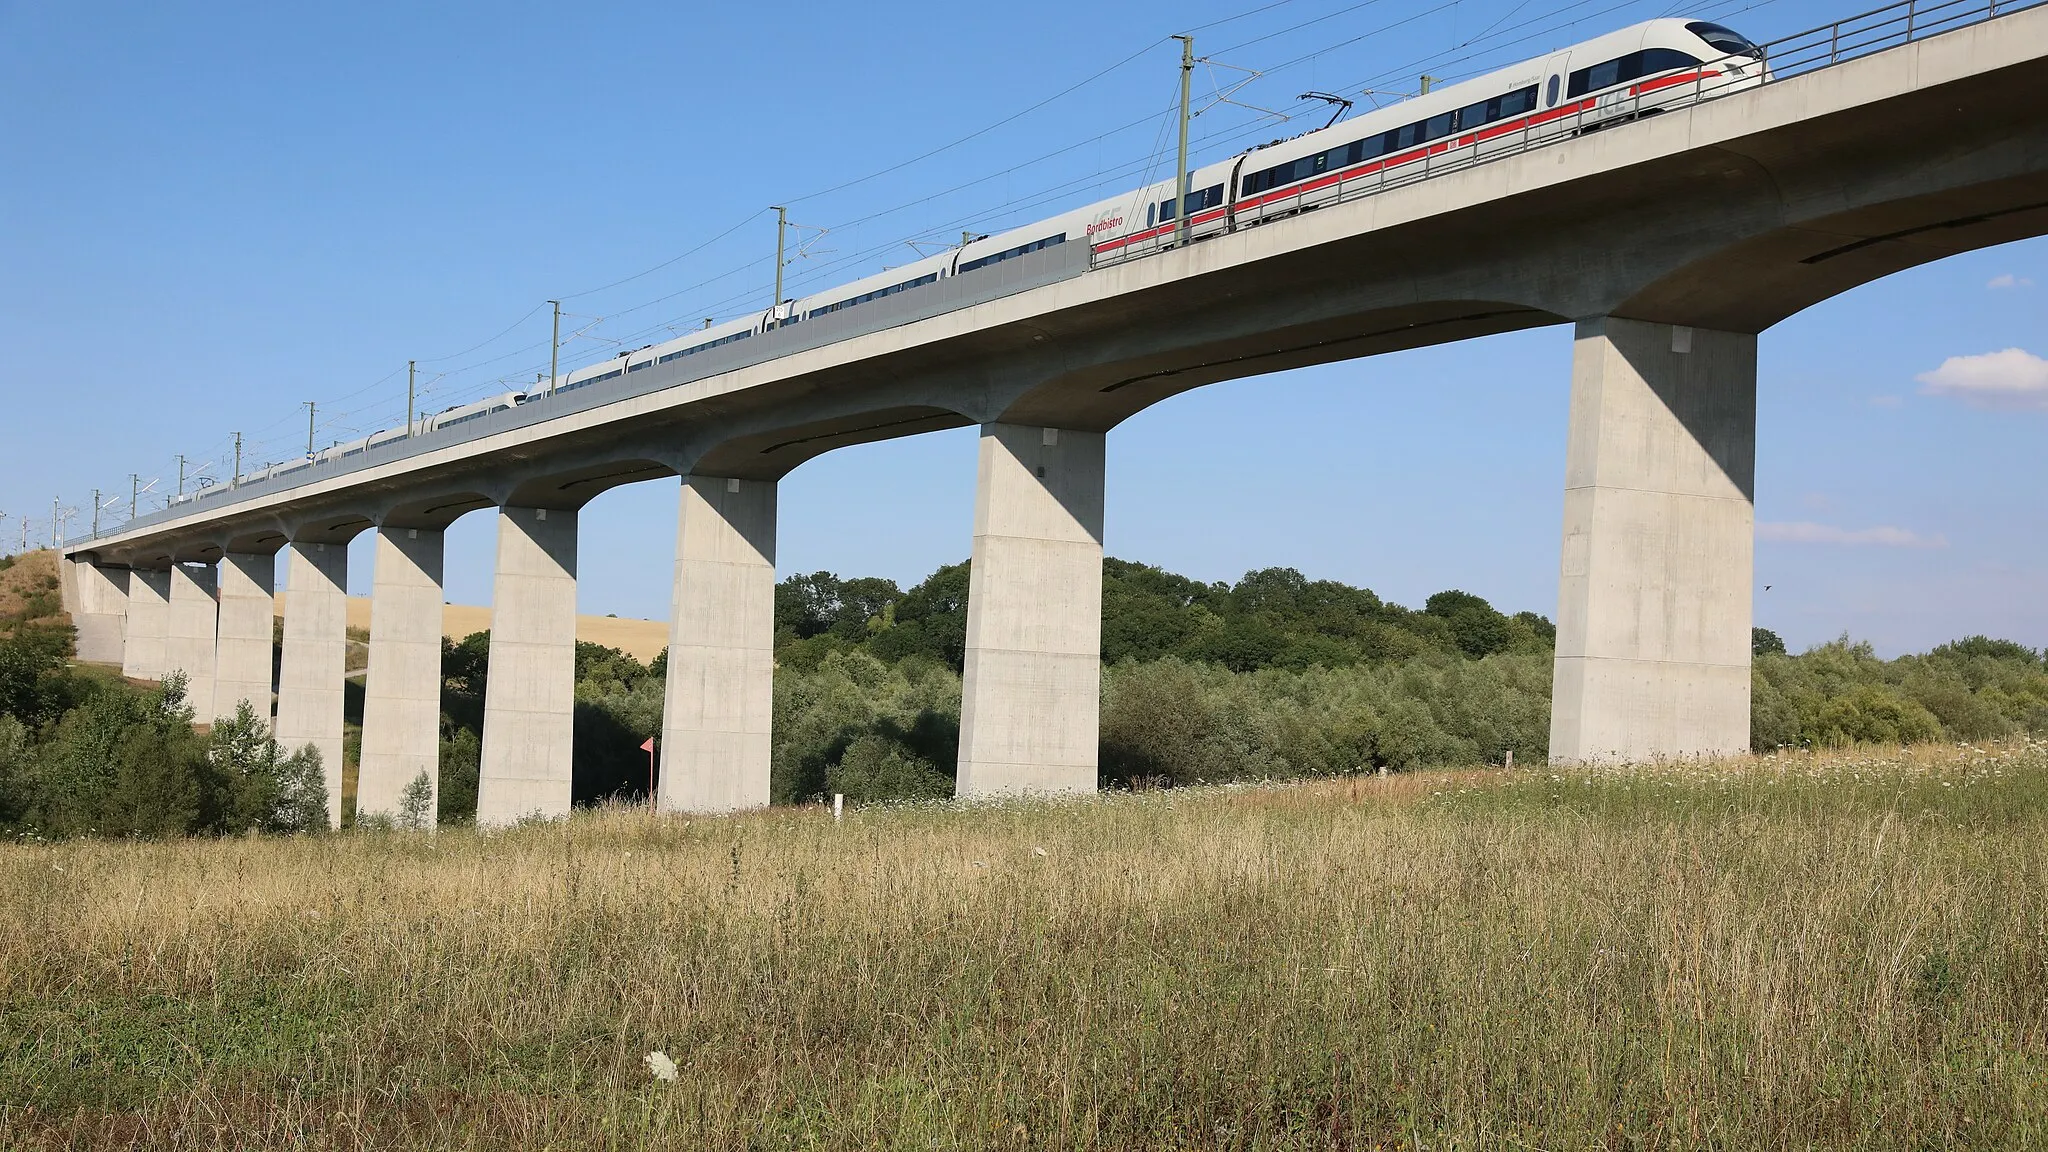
(416,803)
(877,767)
(258,787)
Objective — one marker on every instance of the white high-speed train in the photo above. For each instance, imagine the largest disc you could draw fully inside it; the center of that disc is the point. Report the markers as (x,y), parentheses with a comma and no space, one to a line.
(1637,71)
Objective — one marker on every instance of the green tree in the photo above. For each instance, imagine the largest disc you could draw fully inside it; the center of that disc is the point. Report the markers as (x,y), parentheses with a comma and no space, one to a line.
(1475,627)
(416,803)
(875,767)
(461,763)
(255,785)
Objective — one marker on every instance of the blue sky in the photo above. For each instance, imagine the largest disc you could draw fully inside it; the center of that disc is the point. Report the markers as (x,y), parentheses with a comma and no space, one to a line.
(211,213)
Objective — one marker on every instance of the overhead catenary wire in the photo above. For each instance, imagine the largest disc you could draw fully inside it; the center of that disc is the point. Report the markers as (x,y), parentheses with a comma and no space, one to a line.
(1491,39)
(844,184)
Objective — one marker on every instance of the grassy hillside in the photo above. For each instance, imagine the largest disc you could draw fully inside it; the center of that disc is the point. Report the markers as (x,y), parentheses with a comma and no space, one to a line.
(1797,951)
(29,593)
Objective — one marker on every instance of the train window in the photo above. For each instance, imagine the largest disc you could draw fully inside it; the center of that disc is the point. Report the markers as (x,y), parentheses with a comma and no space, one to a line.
(722,340)
(1623,69)
(1655,60)
(1550,99)
(1725,39)
(999,257)
(1198,201)
(1601,75)
(877,294)
(1438,126)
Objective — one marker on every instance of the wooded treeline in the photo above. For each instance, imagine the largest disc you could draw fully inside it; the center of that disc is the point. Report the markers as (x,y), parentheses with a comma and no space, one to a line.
(1274,676)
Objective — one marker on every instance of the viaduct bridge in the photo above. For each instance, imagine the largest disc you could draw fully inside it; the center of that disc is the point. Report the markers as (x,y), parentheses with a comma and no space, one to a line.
(1669,242)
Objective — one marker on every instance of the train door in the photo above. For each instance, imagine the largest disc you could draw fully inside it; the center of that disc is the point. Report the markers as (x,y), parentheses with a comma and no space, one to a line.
(1553,78)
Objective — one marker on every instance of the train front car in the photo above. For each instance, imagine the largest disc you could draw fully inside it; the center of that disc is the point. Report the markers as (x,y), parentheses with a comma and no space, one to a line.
(1681,61)
(1738,59)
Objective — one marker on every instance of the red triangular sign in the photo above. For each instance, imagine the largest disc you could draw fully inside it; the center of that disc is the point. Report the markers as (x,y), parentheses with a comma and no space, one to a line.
(648,746)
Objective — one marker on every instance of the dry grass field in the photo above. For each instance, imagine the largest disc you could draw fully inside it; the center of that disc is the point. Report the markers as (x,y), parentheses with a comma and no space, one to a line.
(643,640)
(28,589)
(1842,951)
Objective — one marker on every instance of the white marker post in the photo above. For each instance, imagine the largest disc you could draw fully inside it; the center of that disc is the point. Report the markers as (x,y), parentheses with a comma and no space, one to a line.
(838,806)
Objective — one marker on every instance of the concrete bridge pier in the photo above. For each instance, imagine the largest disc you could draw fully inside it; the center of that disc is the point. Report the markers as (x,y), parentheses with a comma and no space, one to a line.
(315,660)
(248,601)
(97,599)
(1030,703)
(1653,617)
(530,693)
(191,632)
(718,701)
(402,699)
(149,622)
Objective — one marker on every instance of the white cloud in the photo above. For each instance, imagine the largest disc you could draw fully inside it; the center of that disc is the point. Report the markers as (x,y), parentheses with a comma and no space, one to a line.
(1807,532)
(2008,280)
(2013,378)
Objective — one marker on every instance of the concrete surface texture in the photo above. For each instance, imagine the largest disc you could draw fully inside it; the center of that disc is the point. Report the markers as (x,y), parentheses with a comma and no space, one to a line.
(1731,215)
(1653,611)
(100,611)
(1030,699)
(191,634)
(718,701)
(402,693)
(310,677)
(1722,218)
(149,622)
(530,693)
(242,657)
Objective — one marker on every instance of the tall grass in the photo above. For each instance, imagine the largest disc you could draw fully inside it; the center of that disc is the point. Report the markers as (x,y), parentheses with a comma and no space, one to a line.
(1840,951)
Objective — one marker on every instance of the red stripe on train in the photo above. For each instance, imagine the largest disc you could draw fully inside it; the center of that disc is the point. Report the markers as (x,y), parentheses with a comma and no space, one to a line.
(1366,169)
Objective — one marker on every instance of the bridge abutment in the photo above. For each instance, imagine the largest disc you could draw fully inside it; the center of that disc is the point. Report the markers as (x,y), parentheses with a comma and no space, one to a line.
(1653,619)
(402,695)
(149,621)
(1030,702)
(530,692)
(248,602)
(311,678)
(719,697)
(191,632)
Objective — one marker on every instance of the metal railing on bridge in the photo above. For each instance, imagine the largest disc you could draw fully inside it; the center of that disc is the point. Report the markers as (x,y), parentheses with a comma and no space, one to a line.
(1782,59)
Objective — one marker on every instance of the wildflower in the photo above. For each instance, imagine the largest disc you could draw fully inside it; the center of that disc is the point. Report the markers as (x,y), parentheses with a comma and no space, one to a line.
(663,1068)
(1037,851)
